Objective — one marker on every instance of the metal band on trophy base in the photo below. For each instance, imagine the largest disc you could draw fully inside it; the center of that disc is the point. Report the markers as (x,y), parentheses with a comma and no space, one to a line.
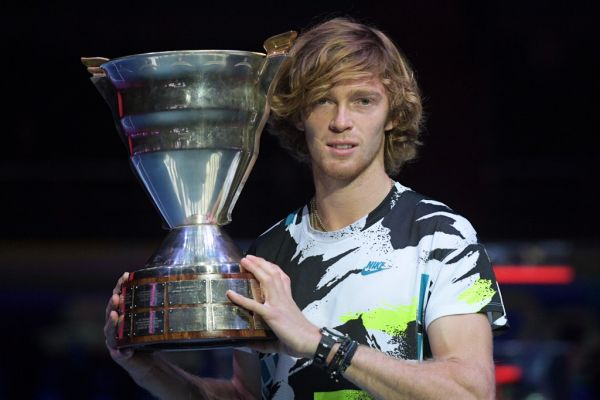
(188,311)
(191,122)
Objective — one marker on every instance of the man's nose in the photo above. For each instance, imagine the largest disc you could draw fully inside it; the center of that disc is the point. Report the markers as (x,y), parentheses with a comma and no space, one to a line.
(341,120)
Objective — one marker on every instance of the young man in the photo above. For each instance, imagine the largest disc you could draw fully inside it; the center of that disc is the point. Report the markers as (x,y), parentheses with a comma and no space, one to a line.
(401,275)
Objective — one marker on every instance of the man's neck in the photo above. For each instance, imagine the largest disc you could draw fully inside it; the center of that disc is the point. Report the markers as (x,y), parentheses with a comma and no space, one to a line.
(340,203)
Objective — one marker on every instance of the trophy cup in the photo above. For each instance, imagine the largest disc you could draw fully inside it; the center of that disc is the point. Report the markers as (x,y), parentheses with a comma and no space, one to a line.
(191,121)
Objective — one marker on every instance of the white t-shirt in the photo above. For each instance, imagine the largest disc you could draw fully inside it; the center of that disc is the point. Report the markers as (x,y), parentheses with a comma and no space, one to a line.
(382,280)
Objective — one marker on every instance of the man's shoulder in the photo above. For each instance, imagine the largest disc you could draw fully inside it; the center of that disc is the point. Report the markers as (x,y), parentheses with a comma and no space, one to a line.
(428,216)
(418,206)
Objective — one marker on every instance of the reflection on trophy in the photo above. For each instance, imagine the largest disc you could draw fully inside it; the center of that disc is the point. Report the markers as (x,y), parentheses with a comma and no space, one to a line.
(191,121)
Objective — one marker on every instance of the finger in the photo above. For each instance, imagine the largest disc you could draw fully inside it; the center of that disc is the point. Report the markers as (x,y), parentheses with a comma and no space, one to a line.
(287,284)
(267,266)
(245,302)
(120,282)
(110,329)
(113,304)
(261,268)
(261,261)
(242,269)
(255,269)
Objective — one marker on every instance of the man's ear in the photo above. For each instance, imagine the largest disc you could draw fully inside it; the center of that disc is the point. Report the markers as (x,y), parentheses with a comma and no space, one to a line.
(389,125)
(299,125)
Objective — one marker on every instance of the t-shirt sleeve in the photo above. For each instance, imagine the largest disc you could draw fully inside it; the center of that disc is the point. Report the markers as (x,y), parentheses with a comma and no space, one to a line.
(463,282)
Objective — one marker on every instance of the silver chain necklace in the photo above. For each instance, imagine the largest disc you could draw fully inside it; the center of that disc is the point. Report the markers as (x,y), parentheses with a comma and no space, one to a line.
(315,219)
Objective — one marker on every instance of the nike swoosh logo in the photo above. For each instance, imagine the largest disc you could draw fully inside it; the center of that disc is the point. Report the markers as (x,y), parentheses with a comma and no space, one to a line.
(373,267)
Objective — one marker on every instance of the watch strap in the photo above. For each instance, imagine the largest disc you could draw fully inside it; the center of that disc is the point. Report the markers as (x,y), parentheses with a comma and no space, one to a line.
(328,340)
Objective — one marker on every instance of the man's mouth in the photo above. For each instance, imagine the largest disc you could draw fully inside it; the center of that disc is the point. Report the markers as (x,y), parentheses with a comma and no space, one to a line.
(341,146)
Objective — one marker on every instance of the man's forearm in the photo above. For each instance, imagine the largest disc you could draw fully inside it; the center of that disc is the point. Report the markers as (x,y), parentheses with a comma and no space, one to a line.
(386,377)
(167,381)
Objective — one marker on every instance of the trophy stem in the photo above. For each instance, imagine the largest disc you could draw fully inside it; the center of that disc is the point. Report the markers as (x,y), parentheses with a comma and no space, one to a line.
(205,248)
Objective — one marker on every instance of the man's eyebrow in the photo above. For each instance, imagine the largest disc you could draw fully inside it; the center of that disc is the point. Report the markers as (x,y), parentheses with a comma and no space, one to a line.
(367,93)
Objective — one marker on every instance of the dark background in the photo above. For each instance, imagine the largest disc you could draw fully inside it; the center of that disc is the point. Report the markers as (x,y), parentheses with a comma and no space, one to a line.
(510,95)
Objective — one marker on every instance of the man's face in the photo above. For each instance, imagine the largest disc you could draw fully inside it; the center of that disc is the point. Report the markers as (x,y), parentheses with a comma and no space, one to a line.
(345,130)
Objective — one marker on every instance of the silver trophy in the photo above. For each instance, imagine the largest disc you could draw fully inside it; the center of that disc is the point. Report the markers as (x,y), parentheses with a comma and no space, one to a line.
(191,121)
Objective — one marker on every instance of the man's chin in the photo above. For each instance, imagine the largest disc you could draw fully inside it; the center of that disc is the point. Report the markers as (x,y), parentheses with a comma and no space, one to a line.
(344,172)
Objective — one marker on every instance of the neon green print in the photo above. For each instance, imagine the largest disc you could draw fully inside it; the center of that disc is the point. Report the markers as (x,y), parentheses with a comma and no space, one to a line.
(389,319)
(342,395)
(480,293)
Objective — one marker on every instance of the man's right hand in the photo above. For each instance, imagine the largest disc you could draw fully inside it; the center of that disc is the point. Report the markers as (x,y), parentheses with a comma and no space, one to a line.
(166,380)
(136,364)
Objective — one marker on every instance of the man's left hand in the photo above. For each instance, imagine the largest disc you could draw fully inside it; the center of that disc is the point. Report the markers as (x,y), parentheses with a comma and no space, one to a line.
(297,336)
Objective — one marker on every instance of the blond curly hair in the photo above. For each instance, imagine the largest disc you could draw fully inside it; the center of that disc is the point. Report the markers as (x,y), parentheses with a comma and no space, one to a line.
(340,50)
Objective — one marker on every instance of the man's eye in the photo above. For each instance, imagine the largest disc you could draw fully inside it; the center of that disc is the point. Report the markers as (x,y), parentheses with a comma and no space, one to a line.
(322,101)
(364,101)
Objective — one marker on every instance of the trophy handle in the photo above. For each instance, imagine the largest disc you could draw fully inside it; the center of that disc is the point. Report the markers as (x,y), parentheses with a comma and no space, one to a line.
(277,48)
(103,85)
(93,65)
(280,44)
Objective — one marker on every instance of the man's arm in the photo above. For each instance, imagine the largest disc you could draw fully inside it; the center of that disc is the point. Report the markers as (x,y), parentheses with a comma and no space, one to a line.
(166,380)
(462,366)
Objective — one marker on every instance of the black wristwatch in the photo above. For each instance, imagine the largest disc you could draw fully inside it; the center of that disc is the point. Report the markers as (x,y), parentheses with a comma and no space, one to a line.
(328,339)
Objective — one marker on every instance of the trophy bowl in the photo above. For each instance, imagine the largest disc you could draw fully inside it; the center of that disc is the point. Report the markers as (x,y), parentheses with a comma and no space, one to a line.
(191,122)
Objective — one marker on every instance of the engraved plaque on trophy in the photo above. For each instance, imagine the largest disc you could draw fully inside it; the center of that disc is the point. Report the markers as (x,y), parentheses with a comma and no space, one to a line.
(191,121)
